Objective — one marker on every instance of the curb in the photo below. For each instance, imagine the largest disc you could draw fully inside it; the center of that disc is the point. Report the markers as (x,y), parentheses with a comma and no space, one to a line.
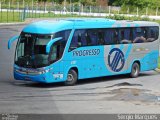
(16,23)
(29,20)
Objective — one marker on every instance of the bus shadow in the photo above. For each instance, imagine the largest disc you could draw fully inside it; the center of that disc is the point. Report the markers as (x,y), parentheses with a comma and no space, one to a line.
(110,78)
(80,82)
(37,85)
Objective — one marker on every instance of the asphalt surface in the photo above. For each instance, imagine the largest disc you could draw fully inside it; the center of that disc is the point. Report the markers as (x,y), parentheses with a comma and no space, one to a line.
(116,94)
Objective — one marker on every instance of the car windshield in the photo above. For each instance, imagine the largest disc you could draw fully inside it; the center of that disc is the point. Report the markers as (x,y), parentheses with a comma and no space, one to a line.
(31,49)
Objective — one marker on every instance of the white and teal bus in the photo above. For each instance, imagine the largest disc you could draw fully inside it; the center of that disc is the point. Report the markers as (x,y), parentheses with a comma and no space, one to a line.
(71,50)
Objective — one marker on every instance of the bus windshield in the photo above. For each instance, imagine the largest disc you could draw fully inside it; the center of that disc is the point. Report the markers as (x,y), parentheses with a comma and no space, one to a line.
(31,50)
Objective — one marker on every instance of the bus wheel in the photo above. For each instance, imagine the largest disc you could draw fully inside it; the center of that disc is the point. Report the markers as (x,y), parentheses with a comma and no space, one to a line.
(135,70)
(71,77)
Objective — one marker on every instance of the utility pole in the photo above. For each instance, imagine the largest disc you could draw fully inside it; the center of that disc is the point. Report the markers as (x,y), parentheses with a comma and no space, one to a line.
(157,11)
(146,11)
(70,6)
(137,11)
(9,5)
(64,7)
(17,5)
(32,4)
(23,3)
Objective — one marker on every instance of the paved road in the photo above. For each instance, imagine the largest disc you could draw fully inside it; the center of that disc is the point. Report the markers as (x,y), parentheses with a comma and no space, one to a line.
(117,94)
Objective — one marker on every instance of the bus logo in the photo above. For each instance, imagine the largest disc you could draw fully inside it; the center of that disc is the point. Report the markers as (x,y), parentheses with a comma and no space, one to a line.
(116,60)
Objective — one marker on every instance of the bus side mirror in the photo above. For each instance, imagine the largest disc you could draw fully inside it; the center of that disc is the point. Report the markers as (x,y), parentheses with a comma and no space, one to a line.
(11,40)
(50,43)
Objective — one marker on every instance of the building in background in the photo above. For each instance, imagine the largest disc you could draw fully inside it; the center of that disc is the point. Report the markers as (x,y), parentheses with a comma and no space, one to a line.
(102,2)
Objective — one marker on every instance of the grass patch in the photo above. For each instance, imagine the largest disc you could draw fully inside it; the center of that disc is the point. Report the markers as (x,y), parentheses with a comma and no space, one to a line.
(10,16)
(50,15)
(159,63)
(14,16)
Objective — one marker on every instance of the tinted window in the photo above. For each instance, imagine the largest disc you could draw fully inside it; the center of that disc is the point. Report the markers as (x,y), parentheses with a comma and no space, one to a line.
(92,37)
(57,48)
(139,35)
(79,39)
(88,37)
(145,34)
(101,34)
(152,33)
(125,35)
(111,36)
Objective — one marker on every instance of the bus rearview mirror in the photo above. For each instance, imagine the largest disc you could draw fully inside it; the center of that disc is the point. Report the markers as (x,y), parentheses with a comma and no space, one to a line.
(11,40)
(50,43)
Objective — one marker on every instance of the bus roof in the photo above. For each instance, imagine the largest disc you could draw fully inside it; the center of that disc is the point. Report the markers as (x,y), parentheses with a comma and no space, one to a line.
(49,27)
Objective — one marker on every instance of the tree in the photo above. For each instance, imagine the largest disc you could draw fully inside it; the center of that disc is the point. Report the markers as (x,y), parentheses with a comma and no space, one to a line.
(137,3)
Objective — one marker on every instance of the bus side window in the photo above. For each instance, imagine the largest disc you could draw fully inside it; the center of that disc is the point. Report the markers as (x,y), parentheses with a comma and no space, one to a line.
(139,35)
(83,38)
(124,36)
(101,37)
(58,47)
(78,40)
(88,39)
(74,42)
(115,36)
(53,53)
(156,32)
(110,36)
(91,37)
(152,34)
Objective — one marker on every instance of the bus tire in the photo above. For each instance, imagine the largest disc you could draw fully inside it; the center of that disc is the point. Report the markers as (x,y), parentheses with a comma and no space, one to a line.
(135,70)
(71,78)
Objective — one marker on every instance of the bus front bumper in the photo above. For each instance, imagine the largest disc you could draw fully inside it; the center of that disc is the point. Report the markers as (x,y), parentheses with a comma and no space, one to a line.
(43,78)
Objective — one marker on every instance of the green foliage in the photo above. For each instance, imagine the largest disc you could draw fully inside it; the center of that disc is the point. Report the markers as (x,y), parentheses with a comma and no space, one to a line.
(88,2)
(134,18)
(137,3)
(84,2)
(10,17)
(159,62)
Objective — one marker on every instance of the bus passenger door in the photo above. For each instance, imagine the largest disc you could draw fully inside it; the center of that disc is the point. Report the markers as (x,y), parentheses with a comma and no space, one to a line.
(86,53)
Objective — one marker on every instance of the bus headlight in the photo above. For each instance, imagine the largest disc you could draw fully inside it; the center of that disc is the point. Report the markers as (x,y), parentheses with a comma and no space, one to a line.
(45,71)
(32,71)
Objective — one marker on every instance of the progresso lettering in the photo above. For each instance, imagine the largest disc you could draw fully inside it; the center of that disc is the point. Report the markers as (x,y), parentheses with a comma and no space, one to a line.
(91,52)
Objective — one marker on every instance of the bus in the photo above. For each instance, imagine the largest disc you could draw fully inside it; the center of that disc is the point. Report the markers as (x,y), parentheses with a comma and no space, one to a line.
(73,49)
